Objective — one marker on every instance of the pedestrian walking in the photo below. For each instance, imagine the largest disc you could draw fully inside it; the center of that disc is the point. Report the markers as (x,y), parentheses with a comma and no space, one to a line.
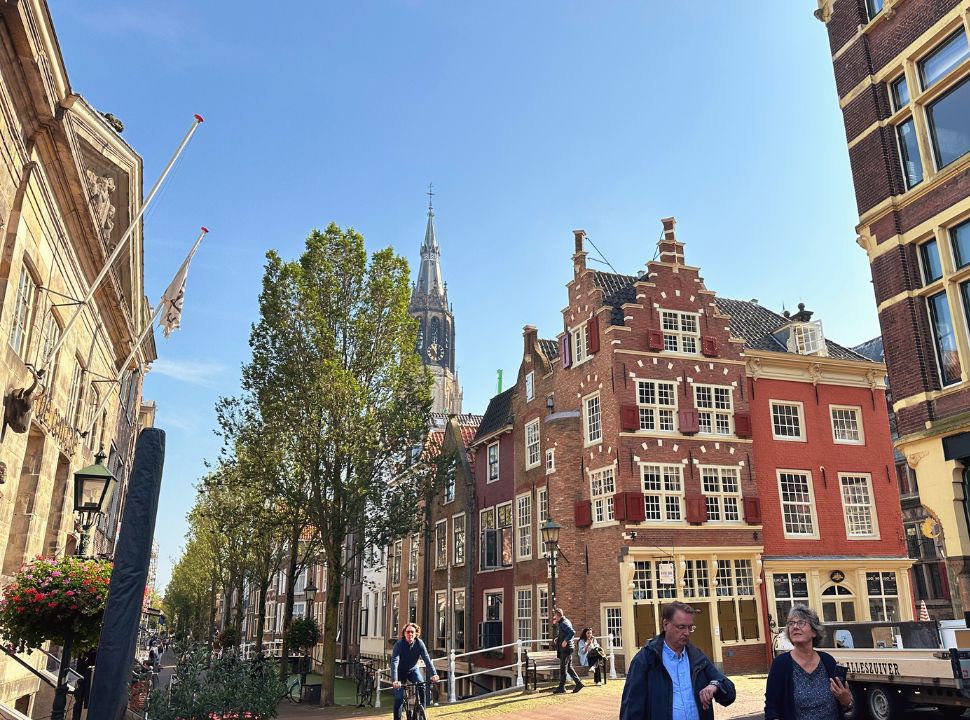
(564,649)
(670,679)
(806,683)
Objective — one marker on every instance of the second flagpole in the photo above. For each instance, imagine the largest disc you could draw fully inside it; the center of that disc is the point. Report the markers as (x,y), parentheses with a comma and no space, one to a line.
(141,338)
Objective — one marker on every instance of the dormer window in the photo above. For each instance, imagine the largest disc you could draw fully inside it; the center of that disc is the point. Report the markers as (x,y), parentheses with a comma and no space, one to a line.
(807,338)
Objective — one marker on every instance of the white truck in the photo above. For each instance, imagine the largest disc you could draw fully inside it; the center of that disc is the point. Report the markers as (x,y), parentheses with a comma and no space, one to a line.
(894,667)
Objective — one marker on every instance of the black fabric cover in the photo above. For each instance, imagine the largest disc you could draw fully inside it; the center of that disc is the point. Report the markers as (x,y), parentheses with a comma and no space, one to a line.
(116,652)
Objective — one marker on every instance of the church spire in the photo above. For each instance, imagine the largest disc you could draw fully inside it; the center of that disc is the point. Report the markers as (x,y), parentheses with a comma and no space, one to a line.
(429,275)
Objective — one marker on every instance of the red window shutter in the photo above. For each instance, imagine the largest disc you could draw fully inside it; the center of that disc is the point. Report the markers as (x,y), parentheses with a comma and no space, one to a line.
(584,513)
(709,346)
(619,506)
(564,350)
(742,424)
(689,421)
(752,510)
(635,511)
(944,580)
(696,510)
(593,335)
(630,418)
(655,340)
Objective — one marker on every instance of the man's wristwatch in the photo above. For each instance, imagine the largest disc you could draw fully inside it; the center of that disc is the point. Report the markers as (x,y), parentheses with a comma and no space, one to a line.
(715,683)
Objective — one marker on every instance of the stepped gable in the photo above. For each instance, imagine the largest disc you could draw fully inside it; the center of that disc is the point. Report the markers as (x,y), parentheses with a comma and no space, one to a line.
(497,415)
(756,323)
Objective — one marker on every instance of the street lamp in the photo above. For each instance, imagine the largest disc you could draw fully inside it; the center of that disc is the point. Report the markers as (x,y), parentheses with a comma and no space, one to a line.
(310,592)
(92,490)
(550,538)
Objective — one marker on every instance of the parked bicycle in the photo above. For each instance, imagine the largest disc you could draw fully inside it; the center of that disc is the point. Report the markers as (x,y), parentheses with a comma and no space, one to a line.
(416,695)
(366,683)
(293,690)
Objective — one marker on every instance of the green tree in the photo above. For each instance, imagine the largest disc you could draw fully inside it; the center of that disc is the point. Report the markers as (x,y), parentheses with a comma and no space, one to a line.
(342,394)
(188,594)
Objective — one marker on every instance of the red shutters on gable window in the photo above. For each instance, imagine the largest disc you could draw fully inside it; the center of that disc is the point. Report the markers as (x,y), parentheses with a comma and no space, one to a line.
(635,511)
(655,340)
(584,514)
(629,418)
(696,510)
(688,420)
(564,350)
(742,424)
(752,510)
(619,506)
(593,335)
(709,346)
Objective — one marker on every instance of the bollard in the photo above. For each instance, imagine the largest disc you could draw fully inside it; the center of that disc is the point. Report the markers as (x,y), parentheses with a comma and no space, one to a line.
(612,657)
(451,677)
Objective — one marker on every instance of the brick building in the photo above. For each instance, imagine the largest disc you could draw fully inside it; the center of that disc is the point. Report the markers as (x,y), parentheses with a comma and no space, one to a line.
(903,80)
(833,534)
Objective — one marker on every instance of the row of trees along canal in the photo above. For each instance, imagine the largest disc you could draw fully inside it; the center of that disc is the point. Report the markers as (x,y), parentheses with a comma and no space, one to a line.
(318,446)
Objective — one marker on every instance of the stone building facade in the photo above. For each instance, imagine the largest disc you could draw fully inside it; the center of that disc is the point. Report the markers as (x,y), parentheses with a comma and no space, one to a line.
(69,187)
(903,83)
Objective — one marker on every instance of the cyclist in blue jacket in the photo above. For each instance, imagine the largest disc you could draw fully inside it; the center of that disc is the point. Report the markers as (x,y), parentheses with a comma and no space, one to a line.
(404,660)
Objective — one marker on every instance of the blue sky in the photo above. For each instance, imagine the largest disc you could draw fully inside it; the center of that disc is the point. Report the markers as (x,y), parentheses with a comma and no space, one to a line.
(530,118)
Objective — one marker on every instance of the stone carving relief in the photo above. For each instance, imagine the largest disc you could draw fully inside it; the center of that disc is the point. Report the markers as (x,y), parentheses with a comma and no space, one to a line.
(100,189)
(815,371)
(913,459)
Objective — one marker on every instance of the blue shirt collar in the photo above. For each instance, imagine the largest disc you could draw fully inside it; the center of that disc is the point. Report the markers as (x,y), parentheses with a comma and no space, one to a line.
(669,652)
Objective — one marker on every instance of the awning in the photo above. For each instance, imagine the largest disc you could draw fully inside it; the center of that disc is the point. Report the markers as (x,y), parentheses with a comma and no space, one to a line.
(957,447)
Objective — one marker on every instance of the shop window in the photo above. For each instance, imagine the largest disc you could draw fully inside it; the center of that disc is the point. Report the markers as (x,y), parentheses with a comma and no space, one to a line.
(883,596)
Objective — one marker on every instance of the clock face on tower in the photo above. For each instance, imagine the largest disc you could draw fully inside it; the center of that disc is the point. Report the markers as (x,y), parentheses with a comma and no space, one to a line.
(434,352)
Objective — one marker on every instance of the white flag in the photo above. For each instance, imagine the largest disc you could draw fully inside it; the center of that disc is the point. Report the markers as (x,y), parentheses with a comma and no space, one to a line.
(171,316)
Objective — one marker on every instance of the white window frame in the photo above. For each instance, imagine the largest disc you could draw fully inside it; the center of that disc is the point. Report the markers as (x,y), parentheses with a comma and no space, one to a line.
(681,331)
(860,430)
(413,593)
(542,501)
(657,413)
(615,611)
(523,526)
(520,617)
(590,427)
(714,415)
(814,534)
(395,614)
(25,305)
(578,342)
(500,592)
(530,385)
(441,543)
(602,489)
(458,529)
(533,452)
(450,488)
(414,550)
(663,494)
(799,415)
(440,633)
(492,463)
(718,499)
(864,508)
(542,612)
(807,338)
(550,461)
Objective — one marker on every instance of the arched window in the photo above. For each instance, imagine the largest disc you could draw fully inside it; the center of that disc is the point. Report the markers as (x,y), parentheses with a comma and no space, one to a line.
(838,604)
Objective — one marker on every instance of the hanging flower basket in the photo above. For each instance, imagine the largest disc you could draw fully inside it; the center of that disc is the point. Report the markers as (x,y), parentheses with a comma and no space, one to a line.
(52,596)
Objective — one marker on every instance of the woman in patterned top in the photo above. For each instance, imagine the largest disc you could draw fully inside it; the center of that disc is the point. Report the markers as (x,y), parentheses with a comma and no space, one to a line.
(804,684)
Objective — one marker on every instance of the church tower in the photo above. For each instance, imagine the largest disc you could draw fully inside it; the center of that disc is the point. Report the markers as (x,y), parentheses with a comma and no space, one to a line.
(436,325)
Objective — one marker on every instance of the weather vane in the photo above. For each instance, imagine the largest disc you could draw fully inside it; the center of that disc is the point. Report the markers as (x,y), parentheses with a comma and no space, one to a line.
(430,194)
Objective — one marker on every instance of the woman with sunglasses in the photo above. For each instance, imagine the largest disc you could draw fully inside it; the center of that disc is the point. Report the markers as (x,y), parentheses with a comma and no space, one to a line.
(804,683)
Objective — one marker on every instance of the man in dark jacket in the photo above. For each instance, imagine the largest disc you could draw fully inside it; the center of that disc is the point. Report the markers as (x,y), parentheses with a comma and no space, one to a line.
(670,679)
(404,659)
(564,649)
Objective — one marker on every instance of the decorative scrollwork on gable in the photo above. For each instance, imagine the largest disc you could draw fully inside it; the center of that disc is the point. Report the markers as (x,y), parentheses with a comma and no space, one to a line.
(100,188)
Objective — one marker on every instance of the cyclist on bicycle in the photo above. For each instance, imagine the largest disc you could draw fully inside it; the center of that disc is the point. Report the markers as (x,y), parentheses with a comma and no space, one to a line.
(404,659)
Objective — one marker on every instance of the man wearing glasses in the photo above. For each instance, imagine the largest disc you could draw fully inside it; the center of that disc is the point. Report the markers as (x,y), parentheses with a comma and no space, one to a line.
(670,679)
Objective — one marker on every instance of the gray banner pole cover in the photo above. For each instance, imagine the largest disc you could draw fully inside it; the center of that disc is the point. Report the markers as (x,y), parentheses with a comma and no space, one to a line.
(122,615)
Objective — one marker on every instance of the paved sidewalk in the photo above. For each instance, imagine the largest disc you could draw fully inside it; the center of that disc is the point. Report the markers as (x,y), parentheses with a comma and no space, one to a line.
(593,703)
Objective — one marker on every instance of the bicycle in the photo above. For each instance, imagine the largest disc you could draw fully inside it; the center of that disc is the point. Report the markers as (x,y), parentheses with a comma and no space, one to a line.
(366,682)
(293,690)
(413,703)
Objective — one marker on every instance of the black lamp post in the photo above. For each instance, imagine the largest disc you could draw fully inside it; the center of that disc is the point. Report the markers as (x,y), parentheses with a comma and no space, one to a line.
(92,491)
(309,592)
(550,538)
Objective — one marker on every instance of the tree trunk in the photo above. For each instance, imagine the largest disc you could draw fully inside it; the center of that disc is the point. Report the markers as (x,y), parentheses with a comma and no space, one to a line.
(240,587)
(429,550)
(288,608)
(330,637)
(261,618)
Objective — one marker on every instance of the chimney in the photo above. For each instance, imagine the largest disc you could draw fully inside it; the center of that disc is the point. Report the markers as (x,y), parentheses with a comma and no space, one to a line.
(579,256)
(530,338)
(671,251)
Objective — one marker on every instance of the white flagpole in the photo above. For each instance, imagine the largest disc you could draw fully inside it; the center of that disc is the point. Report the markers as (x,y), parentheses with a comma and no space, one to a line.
(197,120)
(141,338)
